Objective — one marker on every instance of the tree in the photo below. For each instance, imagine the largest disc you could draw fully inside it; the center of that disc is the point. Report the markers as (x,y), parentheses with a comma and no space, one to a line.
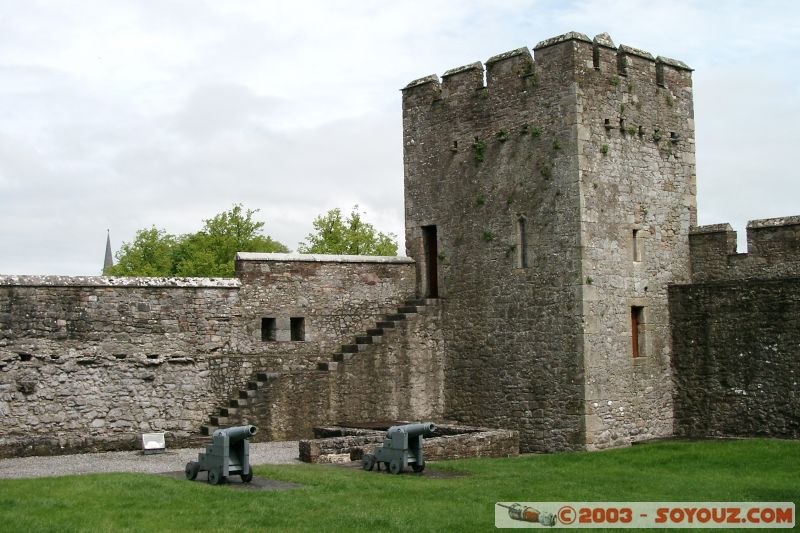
(350,236)
(150,254)
(207,253)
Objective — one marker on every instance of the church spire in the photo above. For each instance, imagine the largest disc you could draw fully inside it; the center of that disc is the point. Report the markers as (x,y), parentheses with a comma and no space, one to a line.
(109,261)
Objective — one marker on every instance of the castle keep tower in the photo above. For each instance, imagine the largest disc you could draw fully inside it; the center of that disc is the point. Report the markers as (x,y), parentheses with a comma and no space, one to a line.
(549,208)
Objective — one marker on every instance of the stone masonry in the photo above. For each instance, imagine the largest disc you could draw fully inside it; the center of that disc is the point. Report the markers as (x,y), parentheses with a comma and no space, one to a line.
(557,290)
(561,192)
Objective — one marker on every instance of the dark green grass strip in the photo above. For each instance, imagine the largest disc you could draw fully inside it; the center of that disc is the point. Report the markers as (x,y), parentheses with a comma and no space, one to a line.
(339,499)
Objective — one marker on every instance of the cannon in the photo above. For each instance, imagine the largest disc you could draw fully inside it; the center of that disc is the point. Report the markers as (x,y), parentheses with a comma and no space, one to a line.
(228,455)
(402,446)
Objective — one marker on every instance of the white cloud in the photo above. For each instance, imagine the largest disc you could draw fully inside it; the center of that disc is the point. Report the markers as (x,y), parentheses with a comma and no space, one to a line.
(131,113)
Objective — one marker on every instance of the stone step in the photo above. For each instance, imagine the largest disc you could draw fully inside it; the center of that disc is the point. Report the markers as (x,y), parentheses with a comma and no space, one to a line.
(255,385)
(328,366)
(385,324)
(208,429)
(342,357)
(375,332)
(408,309)
(238,402)
(396,317)
(245,394)
(349,348)
(364,339)
(418,302)
(228,411)
(266,377)
(219,421)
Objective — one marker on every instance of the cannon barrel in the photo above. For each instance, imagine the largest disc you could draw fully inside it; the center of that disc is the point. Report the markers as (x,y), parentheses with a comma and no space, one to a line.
(425,429)
(237,433)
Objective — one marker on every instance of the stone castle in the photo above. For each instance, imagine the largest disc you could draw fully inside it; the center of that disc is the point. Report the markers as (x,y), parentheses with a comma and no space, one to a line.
(556,285)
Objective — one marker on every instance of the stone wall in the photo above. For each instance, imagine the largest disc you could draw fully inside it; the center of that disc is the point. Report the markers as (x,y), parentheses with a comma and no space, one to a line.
(773,251)
(736,360)
(401,376)
(535,185)
(449,442)
(635,125)
(91,363)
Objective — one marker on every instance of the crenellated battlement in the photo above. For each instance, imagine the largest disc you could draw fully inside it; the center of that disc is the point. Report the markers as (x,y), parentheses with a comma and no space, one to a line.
(519,70)
(773,251)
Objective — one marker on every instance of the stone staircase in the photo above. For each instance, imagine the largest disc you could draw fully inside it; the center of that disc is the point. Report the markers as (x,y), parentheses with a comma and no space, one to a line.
(362,343)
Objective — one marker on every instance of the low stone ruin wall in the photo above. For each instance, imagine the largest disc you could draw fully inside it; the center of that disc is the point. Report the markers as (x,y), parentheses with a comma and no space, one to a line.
(341,444)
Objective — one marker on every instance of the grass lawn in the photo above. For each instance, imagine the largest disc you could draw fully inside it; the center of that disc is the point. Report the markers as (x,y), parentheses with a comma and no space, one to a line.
(340,499)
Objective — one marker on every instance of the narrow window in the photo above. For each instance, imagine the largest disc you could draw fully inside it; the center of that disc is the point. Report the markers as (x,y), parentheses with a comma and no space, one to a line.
(298,327)
(596,57)
(268,329)
(637,256)
(522,243)
(637,331)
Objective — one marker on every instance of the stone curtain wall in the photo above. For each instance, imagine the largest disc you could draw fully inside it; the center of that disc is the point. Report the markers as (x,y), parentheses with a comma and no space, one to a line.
(773,250)
(736,333)
(336,296)
(736,358)
(538,328)
(401,377)
(91,363)
(635,124)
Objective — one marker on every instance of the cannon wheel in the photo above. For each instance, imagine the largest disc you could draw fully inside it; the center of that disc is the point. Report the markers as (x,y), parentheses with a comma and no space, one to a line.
(368,462)
(214,477)
(418,468)
(192,468)
(394,467)
(248,477)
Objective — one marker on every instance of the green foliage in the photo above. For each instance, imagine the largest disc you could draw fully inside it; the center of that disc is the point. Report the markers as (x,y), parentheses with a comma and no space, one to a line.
(556,145)
(614,80)
(589,280)
(460,497)
(480,200)
(536,132)
(209,252)
(656,135)
(502,135)
(347,236)
(669,100)
(488,236)
(510,199)
(546,171)
(150,254)
(604,149)
(631,130)
(478,150)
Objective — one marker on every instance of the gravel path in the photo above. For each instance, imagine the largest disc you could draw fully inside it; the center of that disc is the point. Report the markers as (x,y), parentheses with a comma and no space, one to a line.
(169,461)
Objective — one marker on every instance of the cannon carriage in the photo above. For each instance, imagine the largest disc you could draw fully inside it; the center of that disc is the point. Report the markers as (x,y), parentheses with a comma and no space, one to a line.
(228,455)
(402,447)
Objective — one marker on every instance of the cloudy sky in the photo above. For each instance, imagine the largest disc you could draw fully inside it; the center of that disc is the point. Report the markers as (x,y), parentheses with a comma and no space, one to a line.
(124,114)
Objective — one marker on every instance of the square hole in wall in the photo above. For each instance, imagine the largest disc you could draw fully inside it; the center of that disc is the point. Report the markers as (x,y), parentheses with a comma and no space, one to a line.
(268,329)
(298,327)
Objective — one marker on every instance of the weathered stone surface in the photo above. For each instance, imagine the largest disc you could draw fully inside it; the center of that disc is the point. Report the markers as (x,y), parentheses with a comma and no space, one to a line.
(452,442)
(563,148)
(737,358)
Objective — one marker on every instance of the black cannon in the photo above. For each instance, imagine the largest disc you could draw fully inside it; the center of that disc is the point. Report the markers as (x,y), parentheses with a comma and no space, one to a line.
(402,446)
(228,454)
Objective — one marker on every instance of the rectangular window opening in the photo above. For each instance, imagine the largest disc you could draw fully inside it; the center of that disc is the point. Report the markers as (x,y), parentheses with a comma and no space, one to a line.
(298,327)
(637,256)
(637,331)
(268,329)
(522,243)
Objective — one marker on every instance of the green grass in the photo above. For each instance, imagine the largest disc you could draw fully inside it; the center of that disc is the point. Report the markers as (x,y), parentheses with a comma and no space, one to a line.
(339,499)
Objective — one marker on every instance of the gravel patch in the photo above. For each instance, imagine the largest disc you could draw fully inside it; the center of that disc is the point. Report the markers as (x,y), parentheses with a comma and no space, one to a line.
(261,453)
